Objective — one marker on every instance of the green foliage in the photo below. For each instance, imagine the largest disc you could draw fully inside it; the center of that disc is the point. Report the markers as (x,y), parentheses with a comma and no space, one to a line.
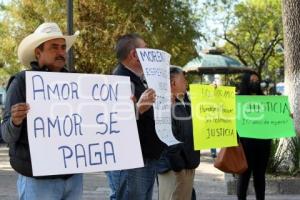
(251,29)
(165,24)
(257,36)
(20,18)
(4,76)
(8,63)
(216,16)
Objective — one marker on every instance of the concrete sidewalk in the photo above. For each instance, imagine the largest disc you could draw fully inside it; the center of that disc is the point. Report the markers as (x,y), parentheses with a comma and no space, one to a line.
(209,183)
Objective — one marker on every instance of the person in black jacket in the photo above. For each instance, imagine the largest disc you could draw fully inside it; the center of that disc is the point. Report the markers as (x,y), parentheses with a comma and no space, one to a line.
(137,184)
(43,50)
(257,151)
(178,162)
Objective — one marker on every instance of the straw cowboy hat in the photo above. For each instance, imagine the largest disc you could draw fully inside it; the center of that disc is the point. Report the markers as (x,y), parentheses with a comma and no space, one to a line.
(45,32)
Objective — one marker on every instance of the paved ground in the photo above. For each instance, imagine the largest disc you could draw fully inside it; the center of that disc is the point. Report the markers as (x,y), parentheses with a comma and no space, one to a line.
(209,183)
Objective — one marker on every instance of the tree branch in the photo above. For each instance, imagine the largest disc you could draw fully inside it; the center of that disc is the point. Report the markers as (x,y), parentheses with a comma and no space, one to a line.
(267,53)
(238,49)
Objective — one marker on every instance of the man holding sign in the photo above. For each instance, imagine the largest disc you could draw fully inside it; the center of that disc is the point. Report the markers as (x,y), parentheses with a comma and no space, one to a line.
(137,184)
(43,50)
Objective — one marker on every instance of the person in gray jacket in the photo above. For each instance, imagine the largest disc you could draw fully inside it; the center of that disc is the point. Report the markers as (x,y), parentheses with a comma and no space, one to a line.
(43,50)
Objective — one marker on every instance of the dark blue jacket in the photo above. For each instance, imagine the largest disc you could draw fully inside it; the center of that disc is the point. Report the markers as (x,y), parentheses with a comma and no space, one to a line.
(182,155)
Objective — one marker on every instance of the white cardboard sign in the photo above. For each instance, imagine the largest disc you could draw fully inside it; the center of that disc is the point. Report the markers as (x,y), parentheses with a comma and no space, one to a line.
(156,68)
(81,123)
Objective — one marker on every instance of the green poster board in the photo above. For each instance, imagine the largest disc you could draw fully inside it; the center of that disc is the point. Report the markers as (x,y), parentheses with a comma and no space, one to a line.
(213,112)
(264,117)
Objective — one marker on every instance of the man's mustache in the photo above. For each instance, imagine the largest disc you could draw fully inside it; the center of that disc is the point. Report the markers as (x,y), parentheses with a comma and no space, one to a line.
(60,58)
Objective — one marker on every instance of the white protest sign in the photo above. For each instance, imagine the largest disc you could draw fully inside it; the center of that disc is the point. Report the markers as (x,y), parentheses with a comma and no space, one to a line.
(81,123)
(156,67)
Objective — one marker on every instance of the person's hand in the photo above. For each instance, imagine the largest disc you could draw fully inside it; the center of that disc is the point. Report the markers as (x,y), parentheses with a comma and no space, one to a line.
(133,98)
(19,112)
(146,100)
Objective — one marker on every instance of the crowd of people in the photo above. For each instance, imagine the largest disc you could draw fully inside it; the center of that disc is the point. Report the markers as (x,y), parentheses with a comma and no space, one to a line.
(173,166)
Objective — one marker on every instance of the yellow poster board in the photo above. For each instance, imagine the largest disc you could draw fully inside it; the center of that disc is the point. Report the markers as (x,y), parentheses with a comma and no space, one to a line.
(214,116)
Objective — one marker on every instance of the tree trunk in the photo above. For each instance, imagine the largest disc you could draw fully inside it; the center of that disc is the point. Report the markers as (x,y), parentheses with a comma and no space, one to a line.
(291,27)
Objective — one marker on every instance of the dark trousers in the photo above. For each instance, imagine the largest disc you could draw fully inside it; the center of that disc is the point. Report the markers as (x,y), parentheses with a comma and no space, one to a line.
(194,195)
(257,152)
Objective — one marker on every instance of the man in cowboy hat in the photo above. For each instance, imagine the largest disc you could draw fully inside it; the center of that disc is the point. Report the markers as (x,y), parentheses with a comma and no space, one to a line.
(43,50)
